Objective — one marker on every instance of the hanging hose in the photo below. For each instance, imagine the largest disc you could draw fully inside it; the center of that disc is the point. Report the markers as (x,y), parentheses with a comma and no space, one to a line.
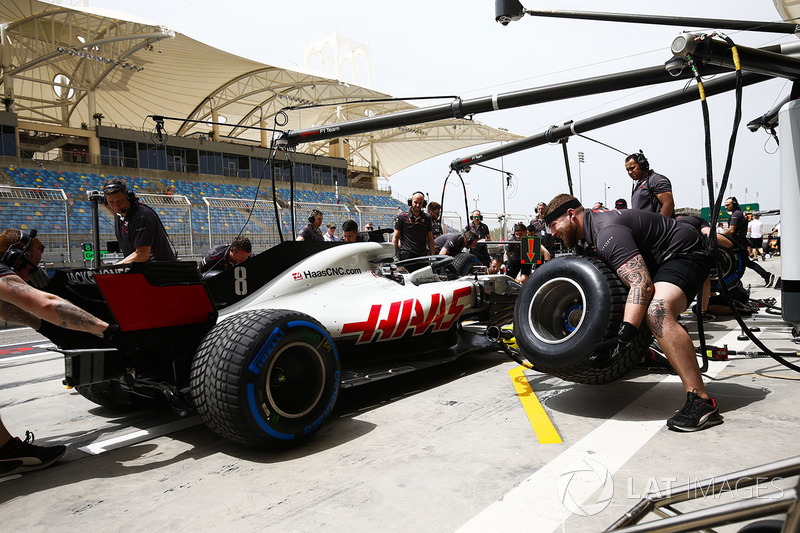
(717,203)
(463,187)
(712,245)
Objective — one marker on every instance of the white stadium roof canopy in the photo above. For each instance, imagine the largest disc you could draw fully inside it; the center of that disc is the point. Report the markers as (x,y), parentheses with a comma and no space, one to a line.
(63,65)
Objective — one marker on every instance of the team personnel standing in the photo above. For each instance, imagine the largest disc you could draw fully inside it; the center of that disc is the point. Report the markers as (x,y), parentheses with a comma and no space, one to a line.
(663,263)
(651,191)
(435,212)
(476,224)
(139,231)
(311,231)
(454,243)
(42,311)
(541,229)
(755,229)
(224,256)
(413,233)
(737,232)
(330,233)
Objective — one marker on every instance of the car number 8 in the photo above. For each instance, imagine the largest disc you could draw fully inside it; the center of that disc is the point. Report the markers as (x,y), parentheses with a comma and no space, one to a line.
(240,280)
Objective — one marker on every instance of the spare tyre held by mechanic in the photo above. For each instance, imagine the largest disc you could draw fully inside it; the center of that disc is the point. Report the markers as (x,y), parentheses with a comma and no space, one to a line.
(663,264)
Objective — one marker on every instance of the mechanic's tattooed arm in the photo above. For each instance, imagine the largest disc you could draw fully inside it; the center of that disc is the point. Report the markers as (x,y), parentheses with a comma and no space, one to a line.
(635,275)
(49,307)
(12,313)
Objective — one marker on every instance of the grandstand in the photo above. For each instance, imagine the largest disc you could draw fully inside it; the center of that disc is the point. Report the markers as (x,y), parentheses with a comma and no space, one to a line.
(207,226)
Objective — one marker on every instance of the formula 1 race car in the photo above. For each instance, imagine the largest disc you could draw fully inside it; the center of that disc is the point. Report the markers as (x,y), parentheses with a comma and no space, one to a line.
(261,350)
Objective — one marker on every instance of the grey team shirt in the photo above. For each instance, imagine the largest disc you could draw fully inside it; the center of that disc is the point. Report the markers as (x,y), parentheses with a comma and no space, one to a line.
(620,235)
(643,199)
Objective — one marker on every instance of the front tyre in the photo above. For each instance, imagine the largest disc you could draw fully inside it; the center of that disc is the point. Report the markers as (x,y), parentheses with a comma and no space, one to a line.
(266,377)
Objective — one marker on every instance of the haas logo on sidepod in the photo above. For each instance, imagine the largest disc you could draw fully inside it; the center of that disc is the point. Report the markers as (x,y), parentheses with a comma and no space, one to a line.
(399,317)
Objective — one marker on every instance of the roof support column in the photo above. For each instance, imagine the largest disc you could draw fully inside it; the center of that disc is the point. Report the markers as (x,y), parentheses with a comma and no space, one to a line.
(91,103)
(263,125)
(5,63)
(215,125)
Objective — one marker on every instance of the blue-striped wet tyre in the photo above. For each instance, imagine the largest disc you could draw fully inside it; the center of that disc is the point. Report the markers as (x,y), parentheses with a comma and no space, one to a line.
(565,308)
(730,267)
(464,262)
(266,377)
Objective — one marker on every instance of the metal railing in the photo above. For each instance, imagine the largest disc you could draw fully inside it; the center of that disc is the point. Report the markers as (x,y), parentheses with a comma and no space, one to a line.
(758,506)
(57,244)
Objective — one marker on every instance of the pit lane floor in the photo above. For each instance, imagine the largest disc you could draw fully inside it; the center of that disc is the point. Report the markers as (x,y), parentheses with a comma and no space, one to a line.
(445,449)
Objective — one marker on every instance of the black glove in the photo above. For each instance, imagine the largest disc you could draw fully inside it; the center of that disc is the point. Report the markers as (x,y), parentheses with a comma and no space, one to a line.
(111,333)
(627,332)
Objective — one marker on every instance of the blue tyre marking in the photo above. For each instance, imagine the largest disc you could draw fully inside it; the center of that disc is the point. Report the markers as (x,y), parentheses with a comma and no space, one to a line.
(575,307)
(251,400)
(251,396)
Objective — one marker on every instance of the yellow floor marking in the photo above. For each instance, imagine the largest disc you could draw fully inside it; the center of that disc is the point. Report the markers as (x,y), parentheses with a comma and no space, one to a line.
(542,426)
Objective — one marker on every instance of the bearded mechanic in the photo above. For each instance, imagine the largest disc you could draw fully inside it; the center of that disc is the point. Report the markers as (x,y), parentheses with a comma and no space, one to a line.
(663,263)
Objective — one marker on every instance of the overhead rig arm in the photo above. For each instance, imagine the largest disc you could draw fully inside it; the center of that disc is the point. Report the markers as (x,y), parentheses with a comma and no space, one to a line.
(659,103)
(762,64)
(462,108)
(713,52)
(661,20)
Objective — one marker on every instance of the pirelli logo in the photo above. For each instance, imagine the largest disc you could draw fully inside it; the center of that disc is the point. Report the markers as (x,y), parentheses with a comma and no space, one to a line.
(325,273)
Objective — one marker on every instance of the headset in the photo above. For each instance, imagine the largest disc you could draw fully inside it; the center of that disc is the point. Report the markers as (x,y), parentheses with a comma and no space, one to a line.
(117,185)
(18,253)
(312,216)
(424,199)
(641,160)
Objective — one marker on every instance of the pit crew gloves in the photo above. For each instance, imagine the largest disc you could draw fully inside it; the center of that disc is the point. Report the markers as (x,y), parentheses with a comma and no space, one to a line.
(627,332)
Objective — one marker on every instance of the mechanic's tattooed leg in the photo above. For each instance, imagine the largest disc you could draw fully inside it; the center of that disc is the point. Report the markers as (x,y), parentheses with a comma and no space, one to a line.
(656,314)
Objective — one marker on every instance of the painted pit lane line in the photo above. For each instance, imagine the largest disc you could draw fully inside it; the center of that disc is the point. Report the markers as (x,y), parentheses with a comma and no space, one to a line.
(96,448)
(538,494)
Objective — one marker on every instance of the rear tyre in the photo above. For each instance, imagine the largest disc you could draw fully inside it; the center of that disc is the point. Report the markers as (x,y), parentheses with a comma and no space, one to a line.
(266,377)
(563,311)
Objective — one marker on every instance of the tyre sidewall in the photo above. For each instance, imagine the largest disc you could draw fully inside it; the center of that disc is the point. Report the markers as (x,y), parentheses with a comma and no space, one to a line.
(597,313)
(464,261)
(266,354)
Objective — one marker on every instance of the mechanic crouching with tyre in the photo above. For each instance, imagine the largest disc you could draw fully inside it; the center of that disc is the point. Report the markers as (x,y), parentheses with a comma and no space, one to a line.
(663,264)
(23,304)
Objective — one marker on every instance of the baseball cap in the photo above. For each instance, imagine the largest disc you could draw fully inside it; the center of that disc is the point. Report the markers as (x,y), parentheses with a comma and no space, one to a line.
(621,204)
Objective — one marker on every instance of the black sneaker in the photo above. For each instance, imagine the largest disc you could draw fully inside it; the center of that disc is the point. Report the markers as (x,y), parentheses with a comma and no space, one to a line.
(17,456)
(697,413)
(769,280)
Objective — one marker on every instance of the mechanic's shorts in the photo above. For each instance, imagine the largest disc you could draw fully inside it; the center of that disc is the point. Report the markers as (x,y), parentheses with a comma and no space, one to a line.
(686,271)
